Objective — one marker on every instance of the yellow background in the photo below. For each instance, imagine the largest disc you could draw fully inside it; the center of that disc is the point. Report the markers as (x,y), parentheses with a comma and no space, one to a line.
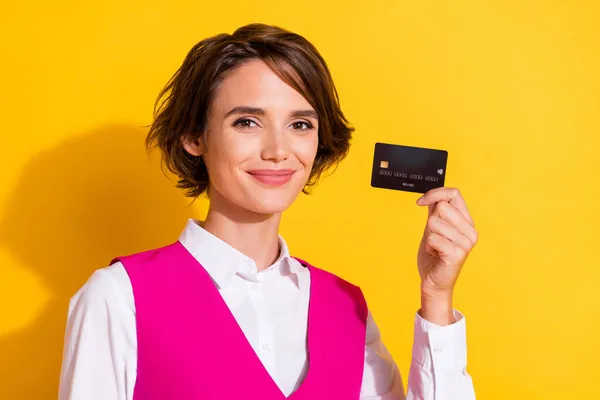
(511,89)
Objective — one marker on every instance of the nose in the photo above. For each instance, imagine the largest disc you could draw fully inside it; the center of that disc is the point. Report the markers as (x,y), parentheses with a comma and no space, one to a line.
(276,145)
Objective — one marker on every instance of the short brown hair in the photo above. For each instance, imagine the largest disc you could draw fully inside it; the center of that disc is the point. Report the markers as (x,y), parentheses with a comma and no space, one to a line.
(182,106)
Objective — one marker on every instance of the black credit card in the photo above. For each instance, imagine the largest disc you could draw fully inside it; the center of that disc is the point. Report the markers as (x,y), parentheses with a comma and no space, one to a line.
(411,169)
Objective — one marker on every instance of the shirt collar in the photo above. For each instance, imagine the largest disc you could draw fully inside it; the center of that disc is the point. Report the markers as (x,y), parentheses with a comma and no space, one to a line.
(223,261)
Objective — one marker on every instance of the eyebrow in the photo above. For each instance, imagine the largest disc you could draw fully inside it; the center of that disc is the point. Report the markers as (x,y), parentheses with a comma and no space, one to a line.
(261,111)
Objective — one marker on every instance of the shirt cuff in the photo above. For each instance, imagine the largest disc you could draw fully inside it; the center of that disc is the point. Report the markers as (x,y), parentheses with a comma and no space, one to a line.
(440,347)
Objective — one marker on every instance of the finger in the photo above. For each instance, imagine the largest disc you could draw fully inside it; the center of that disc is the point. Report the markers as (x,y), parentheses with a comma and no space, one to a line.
(451,195)
(439,226)
(445,246)
(431,209)
(457,220)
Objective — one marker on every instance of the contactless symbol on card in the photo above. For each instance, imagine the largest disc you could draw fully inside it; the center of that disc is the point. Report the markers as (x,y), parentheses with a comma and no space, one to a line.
(411,169)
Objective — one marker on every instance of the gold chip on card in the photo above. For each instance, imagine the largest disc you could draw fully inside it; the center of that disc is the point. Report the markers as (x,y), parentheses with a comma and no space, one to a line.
(384,164)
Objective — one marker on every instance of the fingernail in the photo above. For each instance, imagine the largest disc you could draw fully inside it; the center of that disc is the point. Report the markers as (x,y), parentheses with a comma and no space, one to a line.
(420,200)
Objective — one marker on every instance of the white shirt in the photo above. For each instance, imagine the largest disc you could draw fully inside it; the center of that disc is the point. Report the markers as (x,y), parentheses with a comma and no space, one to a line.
(271,307)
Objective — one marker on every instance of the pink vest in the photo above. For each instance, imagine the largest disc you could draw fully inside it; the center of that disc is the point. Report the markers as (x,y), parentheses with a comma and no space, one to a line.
(190,346)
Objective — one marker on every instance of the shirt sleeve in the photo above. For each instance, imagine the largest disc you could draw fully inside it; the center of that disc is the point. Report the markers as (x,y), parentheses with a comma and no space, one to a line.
(98,346)
(438,367)
(381,377)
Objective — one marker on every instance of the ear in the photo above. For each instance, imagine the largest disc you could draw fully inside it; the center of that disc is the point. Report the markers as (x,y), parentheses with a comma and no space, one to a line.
(195,147)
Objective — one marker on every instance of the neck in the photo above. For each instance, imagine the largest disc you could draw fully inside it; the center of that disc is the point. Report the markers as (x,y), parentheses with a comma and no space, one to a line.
(255,235)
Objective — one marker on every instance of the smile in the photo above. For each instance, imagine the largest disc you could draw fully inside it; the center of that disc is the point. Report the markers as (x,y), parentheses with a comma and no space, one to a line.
(272,177)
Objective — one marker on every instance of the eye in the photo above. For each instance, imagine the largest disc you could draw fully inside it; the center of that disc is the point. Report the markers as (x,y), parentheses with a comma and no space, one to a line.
(244,123)
(302,125)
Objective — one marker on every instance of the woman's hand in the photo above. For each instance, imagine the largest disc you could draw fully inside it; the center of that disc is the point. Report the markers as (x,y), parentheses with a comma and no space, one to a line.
(448,239)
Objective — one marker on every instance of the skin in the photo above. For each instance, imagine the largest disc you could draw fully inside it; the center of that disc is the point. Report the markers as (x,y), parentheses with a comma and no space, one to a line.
(447,241)
(281,132)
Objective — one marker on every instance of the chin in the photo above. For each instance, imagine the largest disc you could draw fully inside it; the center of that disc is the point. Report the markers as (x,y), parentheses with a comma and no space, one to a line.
(268,204)
(258,199)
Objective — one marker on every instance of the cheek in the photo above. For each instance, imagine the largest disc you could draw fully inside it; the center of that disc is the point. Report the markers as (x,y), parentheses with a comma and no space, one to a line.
(227,151)
(307,151)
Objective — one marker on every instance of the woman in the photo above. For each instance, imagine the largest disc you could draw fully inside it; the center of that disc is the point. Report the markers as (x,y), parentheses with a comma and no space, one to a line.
(225,312)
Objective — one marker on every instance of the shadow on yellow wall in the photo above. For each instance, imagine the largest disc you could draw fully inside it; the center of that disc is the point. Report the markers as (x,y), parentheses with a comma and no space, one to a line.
(75,207)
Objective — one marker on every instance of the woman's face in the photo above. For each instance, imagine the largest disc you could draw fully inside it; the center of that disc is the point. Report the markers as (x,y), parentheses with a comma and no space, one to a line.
(262,141)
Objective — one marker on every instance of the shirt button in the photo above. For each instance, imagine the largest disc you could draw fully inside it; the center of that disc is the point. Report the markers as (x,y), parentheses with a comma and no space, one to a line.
(438,349)
(266,346)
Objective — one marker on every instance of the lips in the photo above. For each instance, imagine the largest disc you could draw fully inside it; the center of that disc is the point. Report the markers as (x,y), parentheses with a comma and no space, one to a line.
(272,177)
